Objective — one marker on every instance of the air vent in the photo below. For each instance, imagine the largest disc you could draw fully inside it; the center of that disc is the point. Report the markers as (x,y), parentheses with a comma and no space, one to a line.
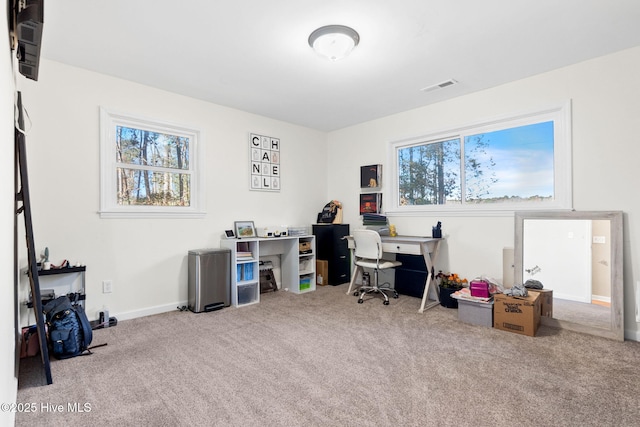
(441,85)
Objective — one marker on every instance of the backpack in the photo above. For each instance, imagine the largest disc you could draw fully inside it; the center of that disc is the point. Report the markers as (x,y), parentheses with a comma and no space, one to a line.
(69,329)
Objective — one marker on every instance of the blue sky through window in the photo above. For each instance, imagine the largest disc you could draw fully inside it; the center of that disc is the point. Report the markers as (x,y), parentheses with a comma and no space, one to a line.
(523,158)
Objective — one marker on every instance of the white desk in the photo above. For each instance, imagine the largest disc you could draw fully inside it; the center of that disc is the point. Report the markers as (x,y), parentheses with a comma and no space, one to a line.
(297,270)
(428,247)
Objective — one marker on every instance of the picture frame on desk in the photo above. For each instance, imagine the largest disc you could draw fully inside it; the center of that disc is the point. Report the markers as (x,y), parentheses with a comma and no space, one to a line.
(244,229)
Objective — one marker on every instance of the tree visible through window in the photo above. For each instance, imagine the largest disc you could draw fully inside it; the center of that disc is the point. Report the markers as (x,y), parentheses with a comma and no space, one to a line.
(151,168)
(517,162)
(429,174)
(148,168)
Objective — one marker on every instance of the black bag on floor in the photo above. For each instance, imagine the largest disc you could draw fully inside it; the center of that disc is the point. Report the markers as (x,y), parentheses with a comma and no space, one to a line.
(69,329)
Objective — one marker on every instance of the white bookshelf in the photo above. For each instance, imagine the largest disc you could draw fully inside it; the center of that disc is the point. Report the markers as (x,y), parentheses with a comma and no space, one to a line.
(297,270)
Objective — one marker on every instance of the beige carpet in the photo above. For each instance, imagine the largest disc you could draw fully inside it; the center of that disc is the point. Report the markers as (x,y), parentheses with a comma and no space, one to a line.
(321,359)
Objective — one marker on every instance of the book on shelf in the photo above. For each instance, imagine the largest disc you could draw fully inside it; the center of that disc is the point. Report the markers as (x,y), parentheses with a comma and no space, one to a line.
(248,272)
(243,247)
(244,272)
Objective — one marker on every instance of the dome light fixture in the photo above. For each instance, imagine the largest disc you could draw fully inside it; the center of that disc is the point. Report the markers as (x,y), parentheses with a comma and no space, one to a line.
(334,41)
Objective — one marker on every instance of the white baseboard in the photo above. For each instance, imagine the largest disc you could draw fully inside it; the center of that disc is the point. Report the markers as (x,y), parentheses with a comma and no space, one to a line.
(601,298)
(149,311)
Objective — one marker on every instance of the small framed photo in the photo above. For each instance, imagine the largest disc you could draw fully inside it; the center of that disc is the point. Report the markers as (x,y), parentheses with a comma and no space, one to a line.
(229,234)
(244,229)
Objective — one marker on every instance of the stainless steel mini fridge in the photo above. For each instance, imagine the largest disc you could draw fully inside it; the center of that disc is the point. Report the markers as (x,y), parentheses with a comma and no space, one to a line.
(209,279)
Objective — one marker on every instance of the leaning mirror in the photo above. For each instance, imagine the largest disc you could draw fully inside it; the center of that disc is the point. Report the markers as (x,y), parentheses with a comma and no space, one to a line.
(578,256)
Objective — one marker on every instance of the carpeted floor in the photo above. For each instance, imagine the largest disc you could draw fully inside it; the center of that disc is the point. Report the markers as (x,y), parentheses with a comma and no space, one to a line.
(321,359)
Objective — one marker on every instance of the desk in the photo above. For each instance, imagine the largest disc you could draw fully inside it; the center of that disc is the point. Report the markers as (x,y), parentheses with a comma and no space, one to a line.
(428,247)
(297,269)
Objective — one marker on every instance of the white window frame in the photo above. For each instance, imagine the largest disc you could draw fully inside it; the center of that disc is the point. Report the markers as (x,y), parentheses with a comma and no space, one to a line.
(109,208)
(563,199)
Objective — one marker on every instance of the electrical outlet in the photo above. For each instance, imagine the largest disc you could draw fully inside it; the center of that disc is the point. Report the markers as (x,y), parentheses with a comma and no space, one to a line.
(107,286)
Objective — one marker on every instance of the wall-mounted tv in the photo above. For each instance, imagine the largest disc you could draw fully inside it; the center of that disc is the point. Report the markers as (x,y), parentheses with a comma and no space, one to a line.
(28,19)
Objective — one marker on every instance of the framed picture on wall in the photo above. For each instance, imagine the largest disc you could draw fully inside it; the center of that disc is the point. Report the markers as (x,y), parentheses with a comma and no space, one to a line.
(370,203)
(371,176)
(244,229)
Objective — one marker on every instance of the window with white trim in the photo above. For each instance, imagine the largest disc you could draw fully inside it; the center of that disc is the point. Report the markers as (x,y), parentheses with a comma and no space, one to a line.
(148,168)
(507,164)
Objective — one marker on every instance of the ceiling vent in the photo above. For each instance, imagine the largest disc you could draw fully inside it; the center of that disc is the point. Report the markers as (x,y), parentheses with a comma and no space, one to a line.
(441,85)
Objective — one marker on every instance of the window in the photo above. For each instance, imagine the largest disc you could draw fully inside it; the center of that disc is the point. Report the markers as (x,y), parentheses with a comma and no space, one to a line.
(515,163)
(149,168)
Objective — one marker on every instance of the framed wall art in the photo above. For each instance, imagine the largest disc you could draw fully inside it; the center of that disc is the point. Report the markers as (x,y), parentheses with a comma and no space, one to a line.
(370,203)
(371,176)
(264,163)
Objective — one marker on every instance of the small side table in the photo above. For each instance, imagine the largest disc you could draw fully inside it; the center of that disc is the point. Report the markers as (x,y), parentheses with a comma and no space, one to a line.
(66,270)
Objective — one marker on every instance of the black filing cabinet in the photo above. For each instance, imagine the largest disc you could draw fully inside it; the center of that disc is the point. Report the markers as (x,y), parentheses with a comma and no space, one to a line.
(411,275)
(332,247)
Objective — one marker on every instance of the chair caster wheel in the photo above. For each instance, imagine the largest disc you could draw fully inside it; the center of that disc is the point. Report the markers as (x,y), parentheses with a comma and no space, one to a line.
(356,294)
(395,296)
(360,301)
(385,302)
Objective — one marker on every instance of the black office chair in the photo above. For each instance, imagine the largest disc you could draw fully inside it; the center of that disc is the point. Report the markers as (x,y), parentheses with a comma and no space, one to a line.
(368,254)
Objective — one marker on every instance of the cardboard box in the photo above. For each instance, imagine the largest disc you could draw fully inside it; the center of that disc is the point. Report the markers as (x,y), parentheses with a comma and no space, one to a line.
(546,301)
(475,312)
(517,314)
(322,272)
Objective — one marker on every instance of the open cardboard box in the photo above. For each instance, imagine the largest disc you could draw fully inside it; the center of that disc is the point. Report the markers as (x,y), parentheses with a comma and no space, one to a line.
(517,314)
(546,301)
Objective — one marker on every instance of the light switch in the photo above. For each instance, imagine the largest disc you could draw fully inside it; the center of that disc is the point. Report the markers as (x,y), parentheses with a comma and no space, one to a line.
(599,239)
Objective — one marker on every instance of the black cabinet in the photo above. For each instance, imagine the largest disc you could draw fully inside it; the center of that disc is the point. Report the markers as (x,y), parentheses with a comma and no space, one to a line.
(332,247)
(411,276)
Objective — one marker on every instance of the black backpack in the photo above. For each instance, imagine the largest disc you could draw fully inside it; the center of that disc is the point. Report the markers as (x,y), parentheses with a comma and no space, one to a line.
(69,329)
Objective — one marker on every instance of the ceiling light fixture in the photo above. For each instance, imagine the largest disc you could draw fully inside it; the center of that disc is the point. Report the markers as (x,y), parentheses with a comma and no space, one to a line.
(334,41)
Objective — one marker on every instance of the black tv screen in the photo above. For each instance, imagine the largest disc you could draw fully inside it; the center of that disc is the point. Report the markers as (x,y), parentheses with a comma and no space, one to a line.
(29,19)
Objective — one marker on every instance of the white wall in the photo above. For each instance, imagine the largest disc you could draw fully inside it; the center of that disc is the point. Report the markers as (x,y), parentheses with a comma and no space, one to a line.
(604,94)
(8,378)
(146,258)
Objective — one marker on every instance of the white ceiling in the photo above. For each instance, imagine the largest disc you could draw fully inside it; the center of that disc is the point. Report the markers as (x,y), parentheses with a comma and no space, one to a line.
(253,55)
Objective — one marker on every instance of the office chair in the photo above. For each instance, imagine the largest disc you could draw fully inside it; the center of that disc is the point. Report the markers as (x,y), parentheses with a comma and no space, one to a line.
(368,254)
